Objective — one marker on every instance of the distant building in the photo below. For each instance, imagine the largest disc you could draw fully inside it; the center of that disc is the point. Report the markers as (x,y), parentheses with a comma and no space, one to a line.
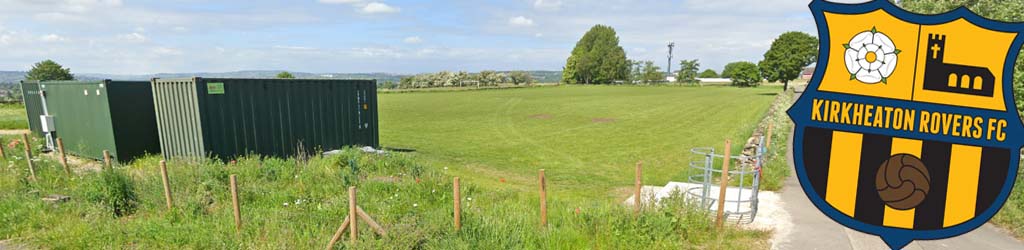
(714,80)
(807,73)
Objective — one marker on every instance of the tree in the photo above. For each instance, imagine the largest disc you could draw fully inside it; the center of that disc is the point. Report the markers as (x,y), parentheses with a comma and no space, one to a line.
(49,70)
(651,73)
(285,75)
(744,74)
(1002,10)
(463,77)
(688,71)
(636,72)
(709,73)
(728,70)
(596,59)
(520,77)
(407,82)
(788,56)
(488,77)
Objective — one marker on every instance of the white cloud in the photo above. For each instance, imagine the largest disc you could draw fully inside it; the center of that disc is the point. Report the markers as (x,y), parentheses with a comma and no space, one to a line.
(412,40)
(548,5)
(293,47)
(340,1)
(520,21)
(133,37)
(538,35)
(6,38)
(58,17)
(378,8)
(52,38)
(167,51)
(179,29)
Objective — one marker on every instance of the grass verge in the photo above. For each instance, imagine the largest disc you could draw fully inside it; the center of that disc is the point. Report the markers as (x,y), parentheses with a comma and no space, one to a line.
(289,205)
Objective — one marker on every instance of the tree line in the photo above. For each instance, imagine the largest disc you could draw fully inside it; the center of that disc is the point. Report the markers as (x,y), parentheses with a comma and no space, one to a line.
(484,78)
(598,58)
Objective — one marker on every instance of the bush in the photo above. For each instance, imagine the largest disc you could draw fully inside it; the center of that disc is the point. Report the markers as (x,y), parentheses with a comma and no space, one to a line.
(709,73)
(743,74)
(114,190)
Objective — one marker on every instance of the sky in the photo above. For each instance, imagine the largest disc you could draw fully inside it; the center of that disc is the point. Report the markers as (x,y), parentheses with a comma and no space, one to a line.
(391,36)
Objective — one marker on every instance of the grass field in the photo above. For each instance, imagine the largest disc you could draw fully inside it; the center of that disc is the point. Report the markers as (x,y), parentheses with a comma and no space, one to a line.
(588,138)
(288,205)
(12,116)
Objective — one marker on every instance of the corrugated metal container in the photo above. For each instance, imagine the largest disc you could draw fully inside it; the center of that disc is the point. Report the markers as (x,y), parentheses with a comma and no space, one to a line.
(92,116)
(33,105)
(227,118)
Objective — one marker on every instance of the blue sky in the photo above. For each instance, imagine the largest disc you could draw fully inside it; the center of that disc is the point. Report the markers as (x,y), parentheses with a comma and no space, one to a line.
(397,36)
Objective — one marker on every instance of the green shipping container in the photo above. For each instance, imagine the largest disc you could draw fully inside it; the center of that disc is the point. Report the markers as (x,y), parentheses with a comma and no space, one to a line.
(92,116)
(33,105)
(228,118)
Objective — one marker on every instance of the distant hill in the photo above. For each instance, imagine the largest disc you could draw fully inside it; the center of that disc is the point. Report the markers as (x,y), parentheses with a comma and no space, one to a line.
(16,76)
(546,76)
(11,76)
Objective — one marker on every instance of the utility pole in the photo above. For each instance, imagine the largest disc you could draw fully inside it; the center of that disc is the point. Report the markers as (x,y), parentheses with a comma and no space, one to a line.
(670,46)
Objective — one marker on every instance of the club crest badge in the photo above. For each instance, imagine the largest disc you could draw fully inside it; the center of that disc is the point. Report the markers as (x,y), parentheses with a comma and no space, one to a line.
(908,128)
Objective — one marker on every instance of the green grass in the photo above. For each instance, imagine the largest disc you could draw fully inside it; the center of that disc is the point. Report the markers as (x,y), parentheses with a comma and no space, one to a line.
(12,116)
(1011,216)
(286,205)
(588,138)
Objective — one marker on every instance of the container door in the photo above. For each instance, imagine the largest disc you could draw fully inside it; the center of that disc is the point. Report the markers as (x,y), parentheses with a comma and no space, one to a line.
(33,105)
(364,116)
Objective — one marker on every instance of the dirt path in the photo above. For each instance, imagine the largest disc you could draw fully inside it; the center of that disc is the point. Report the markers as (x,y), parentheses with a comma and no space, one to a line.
(13,131)
(813,230)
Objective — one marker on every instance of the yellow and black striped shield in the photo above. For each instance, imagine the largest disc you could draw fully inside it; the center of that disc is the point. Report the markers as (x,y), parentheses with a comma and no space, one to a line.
(907,129)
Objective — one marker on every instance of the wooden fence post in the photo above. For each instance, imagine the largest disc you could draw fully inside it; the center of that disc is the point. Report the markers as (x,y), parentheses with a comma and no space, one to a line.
(234,202)
(63,156)
(2,153)
(167,183)
(106,159)
(724,184)
(768,138)
(637,199)
(353,233)
(28,156)
(369,221)
(458,204)
(543,200)
(337,234)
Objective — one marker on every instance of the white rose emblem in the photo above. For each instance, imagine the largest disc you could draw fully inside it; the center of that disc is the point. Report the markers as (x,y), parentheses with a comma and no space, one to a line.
(871,57)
